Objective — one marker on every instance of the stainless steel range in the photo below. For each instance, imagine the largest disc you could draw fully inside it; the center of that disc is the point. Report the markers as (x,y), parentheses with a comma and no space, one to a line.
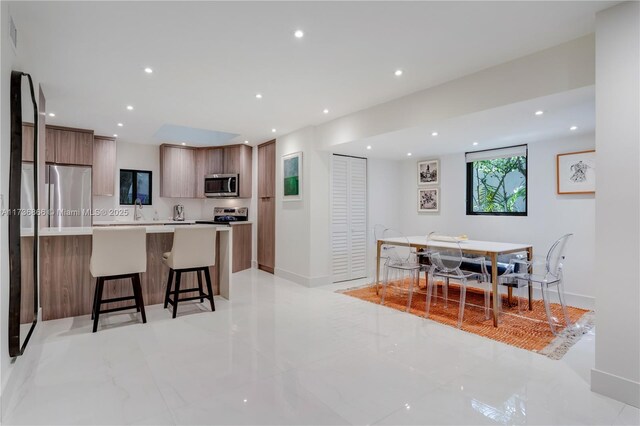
(226,215)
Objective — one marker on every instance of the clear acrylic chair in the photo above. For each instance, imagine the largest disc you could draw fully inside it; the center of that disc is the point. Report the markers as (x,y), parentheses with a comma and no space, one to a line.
(378,232)
(401,262)
(445,263)
(552,276)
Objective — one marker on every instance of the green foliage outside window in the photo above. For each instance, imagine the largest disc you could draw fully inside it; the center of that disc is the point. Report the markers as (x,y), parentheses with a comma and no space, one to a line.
(499,185)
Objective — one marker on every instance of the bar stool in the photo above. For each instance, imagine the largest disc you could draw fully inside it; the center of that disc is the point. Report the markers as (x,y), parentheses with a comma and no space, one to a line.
(194,250)
(118,252)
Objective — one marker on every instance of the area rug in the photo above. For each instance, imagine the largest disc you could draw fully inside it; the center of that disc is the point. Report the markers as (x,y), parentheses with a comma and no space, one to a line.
(527,330)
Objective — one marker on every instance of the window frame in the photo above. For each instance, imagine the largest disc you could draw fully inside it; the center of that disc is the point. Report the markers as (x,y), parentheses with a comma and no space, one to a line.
(135,186)
(469,183)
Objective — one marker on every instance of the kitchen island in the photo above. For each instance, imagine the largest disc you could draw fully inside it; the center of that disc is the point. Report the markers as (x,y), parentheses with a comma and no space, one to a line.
(66,284)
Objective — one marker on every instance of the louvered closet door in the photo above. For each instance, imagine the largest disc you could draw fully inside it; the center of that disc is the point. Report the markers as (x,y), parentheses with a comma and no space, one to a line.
(349,217)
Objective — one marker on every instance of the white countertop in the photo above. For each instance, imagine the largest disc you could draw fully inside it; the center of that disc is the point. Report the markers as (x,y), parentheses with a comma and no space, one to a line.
(139,222)
(88,230)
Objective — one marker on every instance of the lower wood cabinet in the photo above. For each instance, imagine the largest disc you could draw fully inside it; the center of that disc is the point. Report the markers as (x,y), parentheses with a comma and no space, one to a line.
(242,247)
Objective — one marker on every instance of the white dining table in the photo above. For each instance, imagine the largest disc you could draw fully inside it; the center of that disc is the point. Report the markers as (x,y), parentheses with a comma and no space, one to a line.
(489,249)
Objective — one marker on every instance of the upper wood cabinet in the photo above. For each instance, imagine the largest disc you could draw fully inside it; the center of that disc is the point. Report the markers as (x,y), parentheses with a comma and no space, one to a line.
(104,165)
(178,171)
(238,159)
(69,146)
(267,169)
(27,142)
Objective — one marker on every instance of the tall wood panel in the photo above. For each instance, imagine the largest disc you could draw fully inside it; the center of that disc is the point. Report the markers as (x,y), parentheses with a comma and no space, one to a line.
(104,165)
(266,206)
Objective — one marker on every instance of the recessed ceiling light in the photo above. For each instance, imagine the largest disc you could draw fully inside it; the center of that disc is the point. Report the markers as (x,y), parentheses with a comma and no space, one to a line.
(573,128)
(409,154)
(120,124)
(273,130)
(368,146)
(325,111)
(246,141)
(51,114)
(130,107)
(148,70)
(434,134)
(475,144)
(184,143)
(539,112)
(258,96)
(115,135)
(299,34)
(398,73)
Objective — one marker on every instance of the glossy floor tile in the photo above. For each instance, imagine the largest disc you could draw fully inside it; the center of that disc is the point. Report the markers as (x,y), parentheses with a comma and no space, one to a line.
(285,354)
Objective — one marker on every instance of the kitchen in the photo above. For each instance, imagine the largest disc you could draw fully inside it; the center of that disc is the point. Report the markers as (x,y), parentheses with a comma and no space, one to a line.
(169,185)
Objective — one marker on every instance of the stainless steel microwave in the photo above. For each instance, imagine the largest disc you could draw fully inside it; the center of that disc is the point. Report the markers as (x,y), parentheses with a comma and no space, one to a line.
(219,186)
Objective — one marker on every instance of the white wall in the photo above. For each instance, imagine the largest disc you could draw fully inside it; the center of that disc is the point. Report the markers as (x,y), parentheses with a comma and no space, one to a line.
(617,369)
(549,215)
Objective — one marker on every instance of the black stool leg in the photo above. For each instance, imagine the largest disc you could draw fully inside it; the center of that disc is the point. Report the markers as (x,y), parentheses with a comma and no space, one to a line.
(199,272)
(137,291)
(98,302)
(208,279)
(176,294)
(95,297)
(166,295)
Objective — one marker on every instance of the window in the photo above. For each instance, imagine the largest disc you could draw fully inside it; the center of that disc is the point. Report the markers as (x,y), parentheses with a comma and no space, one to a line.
(135,184)
(497,182)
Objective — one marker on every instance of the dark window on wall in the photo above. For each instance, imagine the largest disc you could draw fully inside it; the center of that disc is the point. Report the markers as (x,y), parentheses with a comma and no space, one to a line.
(497,182)
(135,184)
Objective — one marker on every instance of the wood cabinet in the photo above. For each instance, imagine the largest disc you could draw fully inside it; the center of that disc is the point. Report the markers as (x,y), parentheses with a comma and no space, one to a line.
(238,159)
(208,161)
(69,146)
(27,142)
(267,170)
(104,165)
(178,166)
(267,206)
(241,235)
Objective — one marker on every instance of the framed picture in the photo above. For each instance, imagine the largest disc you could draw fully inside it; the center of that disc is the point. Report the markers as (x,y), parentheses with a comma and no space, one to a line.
(292,177)
(428,200)
(429,172)
(576,172)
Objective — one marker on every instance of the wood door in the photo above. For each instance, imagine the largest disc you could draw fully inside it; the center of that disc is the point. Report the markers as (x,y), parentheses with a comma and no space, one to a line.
(27,142)
(104,166)
(241,246)
(267,206)
(213,161)
(177,172)
(73,147)
(231,159)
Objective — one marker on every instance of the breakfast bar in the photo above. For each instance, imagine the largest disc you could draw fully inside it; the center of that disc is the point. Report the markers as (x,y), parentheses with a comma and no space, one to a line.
(66,284)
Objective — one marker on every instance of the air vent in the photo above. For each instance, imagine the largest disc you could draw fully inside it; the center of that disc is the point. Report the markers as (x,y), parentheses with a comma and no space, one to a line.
(13,32)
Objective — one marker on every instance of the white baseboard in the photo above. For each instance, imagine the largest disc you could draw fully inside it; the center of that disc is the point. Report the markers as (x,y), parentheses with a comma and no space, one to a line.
(254,264)
(301,279)
(616,387)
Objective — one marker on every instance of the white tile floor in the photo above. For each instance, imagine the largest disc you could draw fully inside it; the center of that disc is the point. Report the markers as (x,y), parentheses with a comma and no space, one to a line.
(285,354)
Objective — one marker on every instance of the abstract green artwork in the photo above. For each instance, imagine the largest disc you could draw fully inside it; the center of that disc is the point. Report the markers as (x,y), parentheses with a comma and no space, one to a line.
(291,175)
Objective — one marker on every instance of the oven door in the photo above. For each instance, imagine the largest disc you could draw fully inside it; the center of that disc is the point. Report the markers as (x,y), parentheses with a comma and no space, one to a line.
(221,185)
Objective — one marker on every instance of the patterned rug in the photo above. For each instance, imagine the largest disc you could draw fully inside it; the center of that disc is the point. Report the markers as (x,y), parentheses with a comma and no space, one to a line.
(527,330)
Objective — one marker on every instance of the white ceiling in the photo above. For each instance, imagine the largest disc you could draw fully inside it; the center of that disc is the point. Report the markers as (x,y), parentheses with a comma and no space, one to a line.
(211,58)
(499,127)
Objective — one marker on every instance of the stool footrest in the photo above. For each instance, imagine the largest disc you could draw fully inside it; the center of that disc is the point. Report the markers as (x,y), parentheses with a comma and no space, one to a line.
(186,299)
(123,308)
(117,299)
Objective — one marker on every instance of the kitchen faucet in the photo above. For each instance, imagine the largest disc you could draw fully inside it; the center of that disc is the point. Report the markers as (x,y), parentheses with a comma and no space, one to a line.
(137,214)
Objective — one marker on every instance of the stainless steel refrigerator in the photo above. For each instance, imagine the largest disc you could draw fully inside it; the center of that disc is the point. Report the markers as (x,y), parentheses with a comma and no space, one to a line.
(69,195)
